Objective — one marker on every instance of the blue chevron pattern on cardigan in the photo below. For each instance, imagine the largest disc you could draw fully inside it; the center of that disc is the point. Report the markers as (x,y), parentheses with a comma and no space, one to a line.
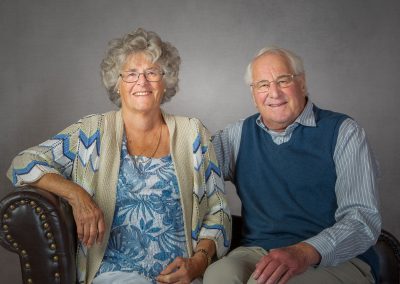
(90,153)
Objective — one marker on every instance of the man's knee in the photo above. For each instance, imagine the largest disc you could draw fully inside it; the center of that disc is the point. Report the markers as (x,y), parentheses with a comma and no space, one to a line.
(353,271)
(227,270)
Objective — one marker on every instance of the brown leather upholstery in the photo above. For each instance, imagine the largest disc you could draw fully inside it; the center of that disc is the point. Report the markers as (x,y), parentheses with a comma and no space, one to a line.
(39,227)
(388,248)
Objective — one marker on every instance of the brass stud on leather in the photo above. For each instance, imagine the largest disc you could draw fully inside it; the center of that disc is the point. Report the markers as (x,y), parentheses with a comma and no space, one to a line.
(9,237)
(46,225)
(43,217)
(53,246)
(12,207)
(32,203)
(5,227)
(38,209)
(22,202)
(57,275)
(27,265)
(15,245)
(29,280)
(49,235)
(23,252)
(55,258)
(5,216)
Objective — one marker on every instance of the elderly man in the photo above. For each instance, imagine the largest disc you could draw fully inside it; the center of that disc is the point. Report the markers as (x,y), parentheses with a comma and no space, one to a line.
(307,181)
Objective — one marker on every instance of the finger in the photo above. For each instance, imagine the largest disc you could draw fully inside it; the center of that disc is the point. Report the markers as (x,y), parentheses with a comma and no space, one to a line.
(278,274)
(173,277)
(266,273)
(260,266)
(174,266)
(79,229)
(285,278)
(170,268)
(162,282)
(92,234)
(101,226)
(86,233)
(172,273)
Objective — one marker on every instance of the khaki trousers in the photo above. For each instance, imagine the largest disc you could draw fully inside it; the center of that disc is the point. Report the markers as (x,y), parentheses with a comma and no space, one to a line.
(238,266)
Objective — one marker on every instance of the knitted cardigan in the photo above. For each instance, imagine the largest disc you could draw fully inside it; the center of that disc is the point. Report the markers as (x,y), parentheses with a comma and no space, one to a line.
(88,153)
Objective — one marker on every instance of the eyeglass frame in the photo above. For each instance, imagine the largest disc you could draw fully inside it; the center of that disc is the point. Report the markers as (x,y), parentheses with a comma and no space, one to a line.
(291,76)
(160,72)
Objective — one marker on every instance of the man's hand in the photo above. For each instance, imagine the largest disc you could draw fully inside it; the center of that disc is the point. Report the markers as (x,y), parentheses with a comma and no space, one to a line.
(183,270)
(279,265)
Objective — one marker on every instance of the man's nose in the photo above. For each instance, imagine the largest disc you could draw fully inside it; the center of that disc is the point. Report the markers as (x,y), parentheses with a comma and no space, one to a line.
(274,90)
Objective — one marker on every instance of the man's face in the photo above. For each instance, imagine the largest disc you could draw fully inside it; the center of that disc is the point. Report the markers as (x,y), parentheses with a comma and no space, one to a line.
(279,107)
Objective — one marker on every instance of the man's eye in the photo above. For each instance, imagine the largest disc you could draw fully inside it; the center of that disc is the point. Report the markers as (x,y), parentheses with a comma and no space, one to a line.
(283,81)
(263,85)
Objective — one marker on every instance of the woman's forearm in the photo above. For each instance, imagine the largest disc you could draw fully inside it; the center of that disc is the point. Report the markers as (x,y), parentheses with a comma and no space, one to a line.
(88,216)
(60,186)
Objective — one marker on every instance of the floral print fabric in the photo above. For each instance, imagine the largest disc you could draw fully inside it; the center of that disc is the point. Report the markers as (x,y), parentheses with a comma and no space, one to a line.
(147,231)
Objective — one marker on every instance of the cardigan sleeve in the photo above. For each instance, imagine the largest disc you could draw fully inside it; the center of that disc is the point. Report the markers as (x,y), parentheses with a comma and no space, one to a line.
(216,223)
(58,154)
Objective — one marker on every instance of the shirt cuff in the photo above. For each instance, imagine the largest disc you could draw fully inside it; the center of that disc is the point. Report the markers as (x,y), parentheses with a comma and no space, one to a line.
(324,247)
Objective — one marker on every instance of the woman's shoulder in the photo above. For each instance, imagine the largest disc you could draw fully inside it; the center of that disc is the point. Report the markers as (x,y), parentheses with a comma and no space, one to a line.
(194,123)
(94,123)
(98,117)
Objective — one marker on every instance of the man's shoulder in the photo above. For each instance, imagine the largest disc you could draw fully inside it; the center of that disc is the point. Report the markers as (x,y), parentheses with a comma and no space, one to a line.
(236,126)
(252,117)
(322,114)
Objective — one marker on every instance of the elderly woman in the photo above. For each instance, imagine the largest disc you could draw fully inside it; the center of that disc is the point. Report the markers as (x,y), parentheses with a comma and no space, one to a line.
(145,187)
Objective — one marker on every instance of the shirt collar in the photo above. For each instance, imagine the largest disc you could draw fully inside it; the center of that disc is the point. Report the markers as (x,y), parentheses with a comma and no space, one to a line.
(305,118)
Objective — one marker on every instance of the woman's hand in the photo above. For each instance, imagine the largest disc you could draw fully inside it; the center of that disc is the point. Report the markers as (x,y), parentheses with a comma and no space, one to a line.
(183,270)
(88,217)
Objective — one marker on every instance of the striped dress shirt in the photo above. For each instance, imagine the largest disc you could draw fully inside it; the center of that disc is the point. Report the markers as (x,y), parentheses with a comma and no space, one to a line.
(358,221)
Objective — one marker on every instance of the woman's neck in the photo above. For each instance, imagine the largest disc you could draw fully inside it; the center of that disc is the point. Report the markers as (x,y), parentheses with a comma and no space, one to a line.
(141,123)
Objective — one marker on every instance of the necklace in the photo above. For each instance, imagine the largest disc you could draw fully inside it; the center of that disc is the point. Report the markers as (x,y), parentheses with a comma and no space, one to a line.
(158,142)
(139,160)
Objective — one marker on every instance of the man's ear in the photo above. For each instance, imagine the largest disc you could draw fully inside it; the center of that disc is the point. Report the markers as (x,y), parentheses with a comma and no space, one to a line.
(253,99)
(303,85)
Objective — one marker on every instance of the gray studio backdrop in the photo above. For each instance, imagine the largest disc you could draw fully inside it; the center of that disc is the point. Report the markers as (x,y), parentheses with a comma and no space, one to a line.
(50,53)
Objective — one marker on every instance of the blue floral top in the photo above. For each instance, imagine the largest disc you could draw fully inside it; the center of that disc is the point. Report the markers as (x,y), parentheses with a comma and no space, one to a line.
(147,231)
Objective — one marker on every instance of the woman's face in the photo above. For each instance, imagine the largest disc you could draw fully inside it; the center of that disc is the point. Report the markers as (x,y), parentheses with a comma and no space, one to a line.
(142,95)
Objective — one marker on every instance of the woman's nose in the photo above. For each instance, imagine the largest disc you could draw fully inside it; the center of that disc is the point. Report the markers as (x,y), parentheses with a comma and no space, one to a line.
(141,79)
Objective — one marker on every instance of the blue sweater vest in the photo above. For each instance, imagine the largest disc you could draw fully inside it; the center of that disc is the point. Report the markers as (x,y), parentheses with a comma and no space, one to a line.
(288,190)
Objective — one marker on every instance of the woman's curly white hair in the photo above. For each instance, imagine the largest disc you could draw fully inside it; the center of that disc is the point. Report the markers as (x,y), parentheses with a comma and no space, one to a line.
(160,52)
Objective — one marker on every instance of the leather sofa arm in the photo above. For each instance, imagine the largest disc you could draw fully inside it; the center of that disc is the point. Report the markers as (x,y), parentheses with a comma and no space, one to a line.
(39,227)
(388,249)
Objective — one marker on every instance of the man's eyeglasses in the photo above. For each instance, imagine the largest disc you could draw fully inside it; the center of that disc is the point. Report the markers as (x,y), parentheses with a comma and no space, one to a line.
(282,81)
(151,75)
